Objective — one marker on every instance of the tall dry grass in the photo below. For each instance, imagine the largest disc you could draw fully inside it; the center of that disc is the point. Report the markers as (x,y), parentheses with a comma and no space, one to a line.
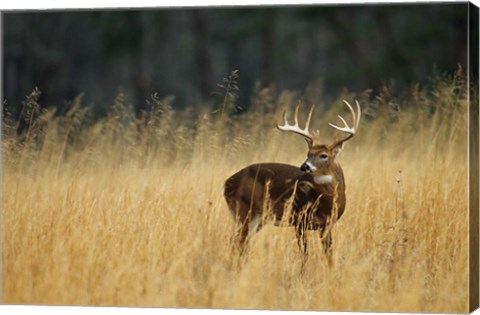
(129,210)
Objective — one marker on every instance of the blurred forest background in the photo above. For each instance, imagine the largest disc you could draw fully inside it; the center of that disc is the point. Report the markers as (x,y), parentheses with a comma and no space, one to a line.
(186,52)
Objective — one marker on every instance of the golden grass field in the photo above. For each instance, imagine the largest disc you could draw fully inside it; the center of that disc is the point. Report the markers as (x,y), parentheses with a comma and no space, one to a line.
(129,213)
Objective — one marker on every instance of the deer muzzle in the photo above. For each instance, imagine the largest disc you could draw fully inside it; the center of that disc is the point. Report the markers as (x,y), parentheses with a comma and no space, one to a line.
(307,167)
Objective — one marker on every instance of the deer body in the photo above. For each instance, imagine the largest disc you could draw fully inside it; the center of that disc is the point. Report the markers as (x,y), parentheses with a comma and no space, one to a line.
(247,189)
(309,197)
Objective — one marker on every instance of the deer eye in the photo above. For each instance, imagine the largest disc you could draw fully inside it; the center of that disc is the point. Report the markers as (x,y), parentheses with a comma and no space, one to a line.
(323,156)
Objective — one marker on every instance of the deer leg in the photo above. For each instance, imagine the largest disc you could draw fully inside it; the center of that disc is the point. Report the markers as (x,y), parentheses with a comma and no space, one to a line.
(246,228)
(301,233)
(327,245)
(239,240)
(246,232)
(302,241)
(255,225)
(241,218)
(239,236)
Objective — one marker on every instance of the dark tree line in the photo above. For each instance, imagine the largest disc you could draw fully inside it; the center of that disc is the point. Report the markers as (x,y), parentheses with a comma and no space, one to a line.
(186,52)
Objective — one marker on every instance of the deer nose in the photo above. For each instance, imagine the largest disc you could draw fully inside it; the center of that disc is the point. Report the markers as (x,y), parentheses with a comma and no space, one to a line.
(306,167)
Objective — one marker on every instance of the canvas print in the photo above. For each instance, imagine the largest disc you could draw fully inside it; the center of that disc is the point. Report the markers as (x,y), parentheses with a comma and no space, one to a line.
(303,157)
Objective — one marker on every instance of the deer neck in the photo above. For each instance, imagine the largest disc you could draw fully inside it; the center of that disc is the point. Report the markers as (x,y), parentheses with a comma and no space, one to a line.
(323,179)
(326,180)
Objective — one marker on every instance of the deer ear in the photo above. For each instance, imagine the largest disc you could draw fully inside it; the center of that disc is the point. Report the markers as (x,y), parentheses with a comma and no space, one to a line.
(337,149)
(309,142)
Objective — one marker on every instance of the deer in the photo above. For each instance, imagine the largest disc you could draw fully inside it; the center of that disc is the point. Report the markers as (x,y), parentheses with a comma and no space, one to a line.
(310,197)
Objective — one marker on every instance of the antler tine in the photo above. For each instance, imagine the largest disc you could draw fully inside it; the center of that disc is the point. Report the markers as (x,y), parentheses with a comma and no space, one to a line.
(343,120)
(295,118)
(296,127)
(359,114)
(307,124)
(285,120)
(356,121)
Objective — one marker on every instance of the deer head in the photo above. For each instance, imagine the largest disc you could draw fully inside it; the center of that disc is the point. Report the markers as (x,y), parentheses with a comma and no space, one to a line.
(321,157)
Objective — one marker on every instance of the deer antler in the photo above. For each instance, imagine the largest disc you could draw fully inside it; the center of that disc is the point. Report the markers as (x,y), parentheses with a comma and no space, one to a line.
(356,121)
(296,128)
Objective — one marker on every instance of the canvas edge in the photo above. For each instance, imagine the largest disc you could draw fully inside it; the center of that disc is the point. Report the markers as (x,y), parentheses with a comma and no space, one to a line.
(473,75)
(1,156)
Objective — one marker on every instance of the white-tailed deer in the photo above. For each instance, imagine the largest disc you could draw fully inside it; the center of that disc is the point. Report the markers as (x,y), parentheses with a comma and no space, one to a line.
(309,197)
